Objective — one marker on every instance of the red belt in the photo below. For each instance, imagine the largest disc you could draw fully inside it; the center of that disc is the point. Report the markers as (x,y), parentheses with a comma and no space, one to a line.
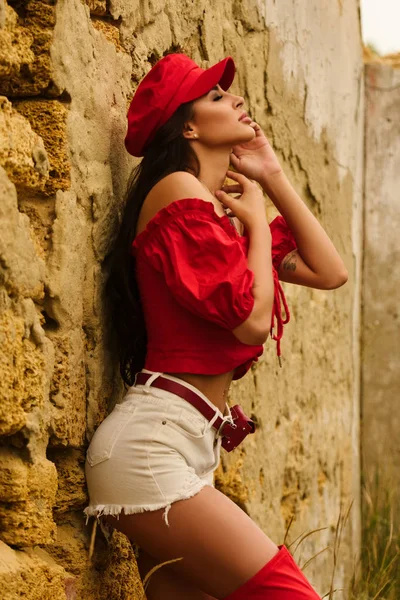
(233,431)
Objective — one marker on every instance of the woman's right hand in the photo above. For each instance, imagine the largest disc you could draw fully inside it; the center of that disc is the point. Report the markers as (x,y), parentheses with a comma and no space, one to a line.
(249,207)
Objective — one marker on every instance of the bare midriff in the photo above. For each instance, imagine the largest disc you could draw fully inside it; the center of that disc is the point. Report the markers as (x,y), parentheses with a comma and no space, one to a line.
(215,387)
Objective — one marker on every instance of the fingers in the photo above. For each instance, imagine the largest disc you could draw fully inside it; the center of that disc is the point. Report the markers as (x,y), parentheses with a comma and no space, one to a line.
(232,189)
(234,160)
(224,197)
(227,200)
(242,179)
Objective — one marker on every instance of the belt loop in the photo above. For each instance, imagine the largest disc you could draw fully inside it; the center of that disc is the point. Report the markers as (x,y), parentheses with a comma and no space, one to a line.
(152,378)
(212,421)
(228,413)
(226,419)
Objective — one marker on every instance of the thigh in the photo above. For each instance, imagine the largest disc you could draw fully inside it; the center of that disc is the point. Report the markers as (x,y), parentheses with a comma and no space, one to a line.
(167,584)
(220,547)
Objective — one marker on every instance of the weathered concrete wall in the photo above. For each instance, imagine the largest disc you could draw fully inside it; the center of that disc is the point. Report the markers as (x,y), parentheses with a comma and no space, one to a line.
(309,410)
(381,276)
(67,72)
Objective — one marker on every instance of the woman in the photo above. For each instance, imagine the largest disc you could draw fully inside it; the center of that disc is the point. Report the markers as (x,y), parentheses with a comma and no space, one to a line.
(195,288)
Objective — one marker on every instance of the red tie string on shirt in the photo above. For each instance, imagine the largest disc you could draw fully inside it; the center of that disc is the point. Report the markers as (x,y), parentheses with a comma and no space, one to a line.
(279,297)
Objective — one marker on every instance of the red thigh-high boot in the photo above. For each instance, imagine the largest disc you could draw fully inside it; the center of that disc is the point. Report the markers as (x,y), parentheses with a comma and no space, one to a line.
(279,579)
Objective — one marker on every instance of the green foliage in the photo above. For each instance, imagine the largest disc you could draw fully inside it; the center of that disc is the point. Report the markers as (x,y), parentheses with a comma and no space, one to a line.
(378,576)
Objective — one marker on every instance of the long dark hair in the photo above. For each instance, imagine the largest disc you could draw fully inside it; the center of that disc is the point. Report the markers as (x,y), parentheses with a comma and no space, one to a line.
(168,152)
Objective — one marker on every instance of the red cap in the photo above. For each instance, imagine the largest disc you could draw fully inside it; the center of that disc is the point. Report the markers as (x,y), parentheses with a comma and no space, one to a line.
(173,80)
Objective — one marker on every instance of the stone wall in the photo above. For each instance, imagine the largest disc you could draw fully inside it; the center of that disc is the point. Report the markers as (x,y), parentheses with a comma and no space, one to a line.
(381,274)
(68,69)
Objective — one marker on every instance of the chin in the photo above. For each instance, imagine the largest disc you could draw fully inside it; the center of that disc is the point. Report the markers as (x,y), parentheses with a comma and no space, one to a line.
(245,136)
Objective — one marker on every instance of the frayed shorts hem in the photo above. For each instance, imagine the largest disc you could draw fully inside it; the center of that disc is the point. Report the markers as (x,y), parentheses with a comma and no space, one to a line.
(100,510)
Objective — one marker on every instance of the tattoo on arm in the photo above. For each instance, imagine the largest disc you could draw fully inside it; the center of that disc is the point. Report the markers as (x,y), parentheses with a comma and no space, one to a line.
(289,262)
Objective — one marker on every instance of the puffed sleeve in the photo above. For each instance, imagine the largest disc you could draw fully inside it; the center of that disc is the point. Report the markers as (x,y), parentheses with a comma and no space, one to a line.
(203,262)
(283,240)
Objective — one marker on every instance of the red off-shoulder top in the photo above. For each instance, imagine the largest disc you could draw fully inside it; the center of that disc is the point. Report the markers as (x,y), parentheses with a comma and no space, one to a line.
(196,287)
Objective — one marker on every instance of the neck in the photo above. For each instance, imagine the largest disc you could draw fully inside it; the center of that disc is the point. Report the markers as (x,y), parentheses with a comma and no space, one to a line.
(213,167)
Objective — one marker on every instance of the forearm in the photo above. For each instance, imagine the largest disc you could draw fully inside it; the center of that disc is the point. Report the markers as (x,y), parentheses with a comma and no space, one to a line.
(313,243)
(259,261)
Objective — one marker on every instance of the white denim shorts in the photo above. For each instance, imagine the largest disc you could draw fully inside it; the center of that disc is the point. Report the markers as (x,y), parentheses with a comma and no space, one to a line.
(152,450)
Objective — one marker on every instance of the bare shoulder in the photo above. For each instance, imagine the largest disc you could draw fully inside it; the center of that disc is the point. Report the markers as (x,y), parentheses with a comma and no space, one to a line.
(176,186)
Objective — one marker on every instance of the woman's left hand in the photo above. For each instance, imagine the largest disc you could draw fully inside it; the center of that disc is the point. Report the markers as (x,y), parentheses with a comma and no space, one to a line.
(255,159)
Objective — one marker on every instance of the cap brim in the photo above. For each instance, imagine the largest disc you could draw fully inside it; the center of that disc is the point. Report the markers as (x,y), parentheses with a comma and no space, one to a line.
(221,74)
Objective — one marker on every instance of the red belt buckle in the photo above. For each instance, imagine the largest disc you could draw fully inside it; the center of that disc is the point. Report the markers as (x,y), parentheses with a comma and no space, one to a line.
(234,433)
